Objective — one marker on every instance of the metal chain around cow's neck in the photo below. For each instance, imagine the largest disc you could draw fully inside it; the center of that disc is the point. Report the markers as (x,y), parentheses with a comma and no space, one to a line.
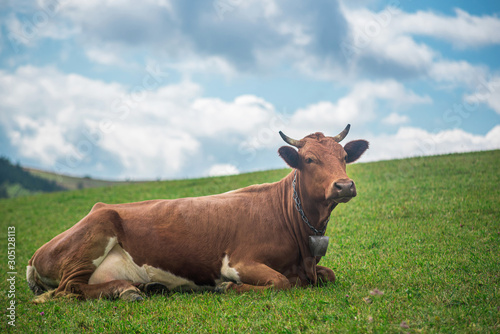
(298,206)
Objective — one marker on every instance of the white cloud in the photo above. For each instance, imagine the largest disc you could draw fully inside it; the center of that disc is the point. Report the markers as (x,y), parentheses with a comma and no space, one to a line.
(462,30)
(390,24)
(412,142)
(222,37)
(46,142)
(103,57)
(386,40)
(149,151)
(205,64)
(56,114)
(174,131)
(487,92)
(396,119)
(223,169)
(384,44)
(37,21)
(359,106)
(306,38)
(457,72)
(373,35)
(149,132)
(241,116)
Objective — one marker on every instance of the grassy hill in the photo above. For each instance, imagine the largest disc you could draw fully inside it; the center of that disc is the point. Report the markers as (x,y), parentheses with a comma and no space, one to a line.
(425,232)
(72,183)
(16,181)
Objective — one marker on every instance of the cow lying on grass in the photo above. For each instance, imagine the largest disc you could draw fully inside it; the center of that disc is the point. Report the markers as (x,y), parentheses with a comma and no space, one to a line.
(253,238)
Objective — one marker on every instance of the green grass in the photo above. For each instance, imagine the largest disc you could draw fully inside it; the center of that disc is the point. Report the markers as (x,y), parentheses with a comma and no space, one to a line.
(425,231)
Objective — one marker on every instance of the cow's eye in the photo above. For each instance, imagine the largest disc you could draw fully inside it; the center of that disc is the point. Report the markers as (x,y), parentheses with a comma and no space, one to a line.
(309,161)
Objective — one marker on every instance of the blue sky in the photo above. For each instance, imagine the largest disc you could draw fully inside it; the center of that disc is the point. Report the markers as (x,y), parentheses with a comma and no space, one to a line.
(172,89)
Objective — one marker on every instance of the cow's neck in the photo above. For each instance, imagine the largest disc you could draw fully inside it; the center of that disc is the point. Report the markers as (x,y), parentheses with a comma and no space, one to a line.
(317,213)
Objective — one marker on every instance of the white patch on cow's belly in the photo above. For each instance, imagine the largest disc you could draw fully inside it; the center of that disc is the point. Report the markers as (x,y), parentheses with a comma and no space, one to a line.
(228,273)
(171,281)
(119,265)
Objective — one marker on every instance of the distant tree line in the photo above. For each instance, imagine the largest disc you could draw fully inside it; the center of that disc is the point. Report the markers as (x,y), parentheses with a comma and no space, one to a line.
(15,175)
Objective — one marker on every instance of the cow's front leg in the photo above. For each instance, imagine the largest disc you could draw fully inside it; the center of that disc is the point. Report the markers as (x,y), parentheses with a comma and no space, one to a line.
(256,277)
(325,274)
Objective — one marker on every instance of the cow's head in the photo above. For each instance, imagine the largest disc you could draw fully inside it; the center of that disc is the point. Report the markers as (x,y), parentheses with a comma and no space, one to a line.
(321,164)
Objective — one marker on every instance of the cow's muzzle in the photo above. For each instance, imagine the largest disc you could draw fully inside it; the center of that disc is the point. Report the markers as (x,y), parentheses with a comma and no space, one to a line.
(341,191)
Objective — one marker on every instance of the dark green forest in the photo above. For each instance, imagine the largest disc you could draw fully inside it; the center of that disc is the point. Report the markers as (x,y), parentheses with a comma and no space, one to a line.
(15,181)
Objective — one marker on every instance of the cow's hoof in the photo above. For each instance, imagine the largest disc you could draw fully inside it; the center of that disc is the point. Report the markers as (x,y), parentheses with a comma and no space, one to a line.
(322,282)
(223,287)
(131,296)
(325,277)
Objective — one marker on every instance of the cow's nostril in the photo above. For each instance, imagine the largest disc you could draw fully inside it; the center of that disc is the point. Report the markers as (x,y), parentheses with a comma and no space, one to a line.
(344,188)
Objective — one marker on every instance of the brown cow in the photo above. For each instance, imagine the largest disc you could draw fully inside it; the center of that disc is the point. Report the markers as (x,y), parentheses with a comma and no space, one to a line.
(253,238)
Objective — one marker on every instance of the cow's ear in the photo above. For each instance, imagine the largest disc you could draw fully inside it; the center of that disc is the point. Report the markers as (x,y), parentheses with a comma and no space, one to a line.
(290,155)
(355,149)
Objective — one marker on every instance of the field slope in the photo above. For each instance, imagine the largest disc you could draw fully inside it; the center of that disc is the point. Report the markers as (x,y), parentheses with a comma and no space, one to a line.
(416,251)
(72,183)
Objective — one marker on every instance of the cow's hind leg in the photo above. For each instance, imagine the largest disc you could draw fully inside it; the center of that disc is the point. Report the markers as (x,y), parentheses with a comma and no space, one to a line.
(110,290)
(69,260)
(256,277)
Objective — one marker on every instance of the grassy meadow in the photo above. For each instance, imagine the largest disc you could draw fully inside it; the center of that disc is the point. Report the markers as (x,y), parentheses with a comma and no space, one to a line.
(417,251)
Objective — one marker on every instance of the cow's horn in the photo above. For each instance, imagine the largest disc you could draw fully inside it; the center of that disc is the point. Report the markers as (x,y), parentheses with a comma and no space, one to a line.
(338,138)
(291,141)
